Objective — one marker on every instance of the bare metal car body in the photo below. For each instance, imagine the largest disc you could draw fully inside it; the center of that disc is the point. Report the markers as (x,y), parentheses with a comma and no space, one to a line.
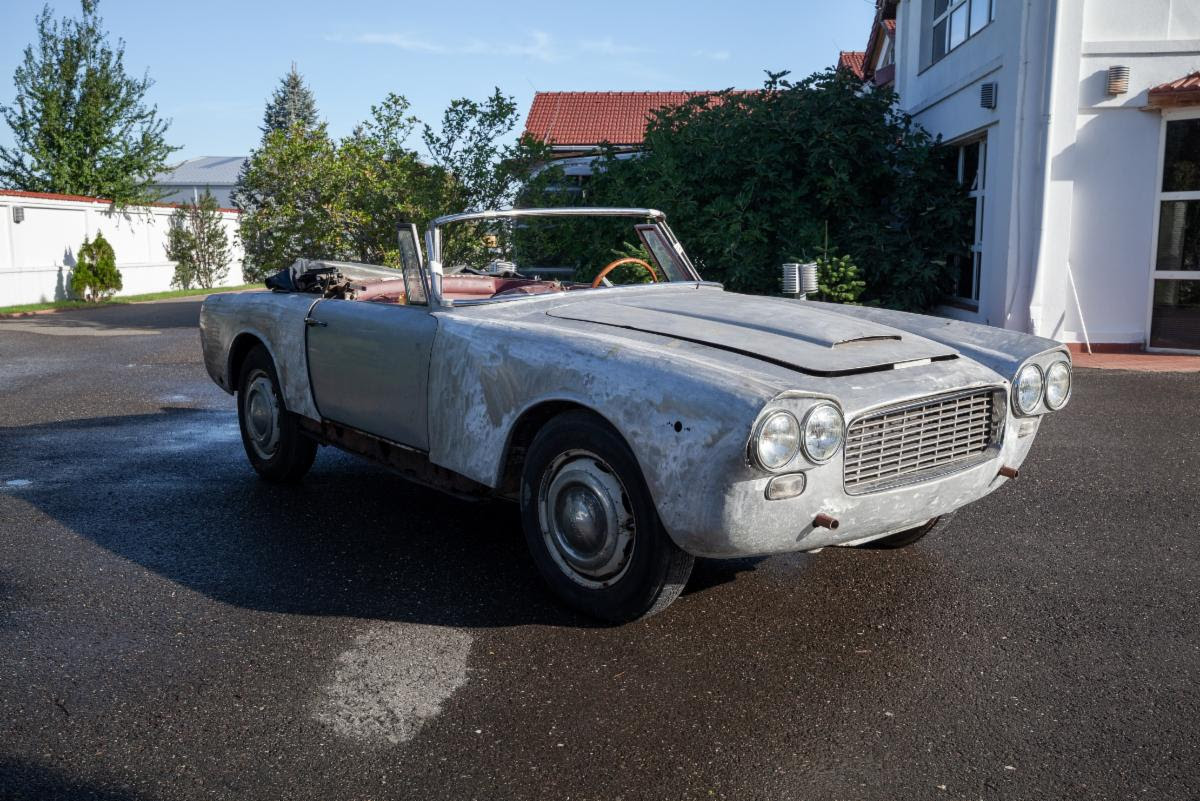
(684,371)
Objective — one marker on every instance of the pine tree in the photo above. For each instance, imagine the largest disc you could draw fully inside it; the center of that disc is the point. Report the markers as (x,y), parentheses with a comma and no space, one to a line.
(198,244)
(95,276)
(79,123)
(292,104)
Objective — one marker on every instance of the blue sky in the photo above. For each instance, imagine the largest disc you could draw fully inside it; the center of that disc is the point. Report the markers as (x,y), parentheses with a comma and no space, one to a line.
(216,62)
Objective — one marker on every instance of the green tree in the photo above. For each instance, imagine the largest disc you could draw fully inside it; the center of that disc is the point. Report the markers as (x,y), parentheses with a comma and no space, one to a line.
(198,245)
(748,178)
(292,104)
(95,276)
(79,122)
(292,201)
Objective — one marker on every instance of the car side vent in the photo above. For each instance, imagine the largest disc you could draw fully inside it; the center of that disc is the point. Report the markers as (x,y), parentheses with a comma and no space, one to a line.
(987,95)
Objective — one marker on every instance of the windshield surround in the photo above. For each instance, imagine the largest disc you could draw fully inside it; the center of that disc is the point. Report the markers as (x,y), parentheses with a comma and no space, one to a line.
(655,219)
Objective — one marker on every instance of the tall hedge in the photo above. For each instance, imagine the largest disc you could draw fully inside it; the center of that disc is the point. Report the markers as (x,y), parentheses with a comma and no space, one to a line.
(750,180)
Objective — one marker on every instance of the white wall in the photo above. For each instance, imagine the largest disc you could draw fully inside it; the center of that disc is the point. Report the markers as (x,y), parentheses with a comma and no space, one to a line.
(37,254)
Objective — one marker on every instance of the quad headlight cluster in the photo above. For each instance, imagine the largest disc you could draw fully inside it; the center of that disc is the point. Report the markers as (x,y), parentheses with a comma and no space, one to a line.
(1034,385)
(780,437)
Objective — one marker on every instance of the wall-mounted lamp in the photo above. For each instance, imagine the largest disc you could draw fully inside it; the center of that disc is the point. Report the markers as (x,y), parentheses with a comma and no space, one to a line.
(1118,79)
(18,213)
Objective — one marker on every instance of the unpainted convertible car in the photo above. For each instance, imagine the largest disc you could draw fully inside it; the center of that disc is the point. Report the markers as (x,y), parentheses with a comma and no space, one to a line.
(638,426)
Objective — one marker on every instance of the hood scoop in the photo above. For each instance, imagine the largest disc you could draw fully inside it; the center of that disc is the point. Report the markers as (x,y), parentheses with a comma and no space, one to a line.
(789,333)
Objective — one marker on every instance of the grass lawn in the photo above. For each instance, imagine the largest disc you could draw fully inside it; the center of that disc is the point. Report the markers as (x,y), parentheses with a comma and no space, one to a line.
(83,304)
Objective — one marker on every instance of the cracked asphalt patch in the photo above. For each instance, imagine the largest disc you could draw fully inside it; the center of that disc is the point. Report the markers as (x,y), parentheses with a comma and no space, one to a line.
(172,628)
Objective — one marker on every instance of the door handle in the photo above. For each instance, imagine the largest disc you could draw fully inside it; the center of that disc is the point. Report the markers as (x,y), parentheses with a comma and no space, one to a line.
(310,322)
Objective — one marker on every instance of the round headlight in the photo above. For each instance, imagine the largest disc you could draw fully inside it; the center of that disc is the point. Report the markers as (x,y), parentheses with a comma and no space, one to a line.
(1058,385)
(1027,389)
(777,440)
(824,431)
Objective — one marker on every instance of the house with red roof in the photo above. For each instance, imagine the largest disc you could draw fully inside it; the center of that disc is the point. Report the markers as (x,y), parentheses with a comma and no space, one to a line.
(577,124)
(1075,126)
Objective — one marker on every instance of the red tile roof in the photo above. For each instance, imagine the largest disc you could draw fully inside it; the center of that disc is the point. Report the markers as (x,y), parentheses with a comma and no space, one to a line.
(853,60)
(889,25)
(589,118)
(1184,91)
(87,199)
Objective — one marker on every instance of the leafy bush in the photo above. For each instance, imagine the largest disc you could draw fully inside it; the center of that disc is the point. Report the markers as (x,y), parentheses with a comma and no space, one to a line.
(303,194)
(198,245)
(95,276)
(747,178)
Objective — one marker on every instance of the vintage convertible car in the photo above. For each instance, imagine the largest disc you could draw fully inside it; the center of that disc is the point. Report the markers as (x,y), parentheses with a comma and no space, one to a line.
(637,426)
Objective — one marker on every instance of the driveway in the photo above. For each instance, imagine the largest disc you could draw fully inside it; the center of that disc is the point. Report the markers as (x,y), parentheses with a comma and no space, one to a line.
(173,628)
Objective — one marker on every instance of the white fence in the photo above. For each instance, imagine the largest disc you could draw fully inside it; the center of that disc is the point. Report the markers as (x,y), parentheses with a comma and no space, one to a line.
(40,235)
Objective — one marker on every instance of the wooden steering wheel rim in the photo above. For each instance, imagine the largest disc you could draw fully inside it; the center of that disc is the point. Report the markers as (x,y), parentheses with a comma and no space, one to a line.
(627,260)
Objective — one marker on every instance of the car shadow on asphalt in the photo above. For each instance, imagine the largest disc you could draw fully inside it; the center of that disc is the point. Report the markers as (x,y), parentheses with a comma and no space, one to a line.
(173,492)
(37,781)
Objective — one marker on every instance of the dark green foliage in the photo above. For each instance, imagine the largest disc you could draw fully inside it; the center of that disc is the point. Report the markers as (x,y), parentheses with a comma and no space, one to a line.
(747,179)
(292,104)
(78,121)
(198,245)
(95,276)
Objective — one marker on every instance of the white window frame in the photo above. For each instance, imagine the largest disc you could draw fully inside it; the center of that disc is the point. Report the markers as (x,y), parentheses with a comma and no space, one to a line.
(978,194)
(1168,116)
(951,7)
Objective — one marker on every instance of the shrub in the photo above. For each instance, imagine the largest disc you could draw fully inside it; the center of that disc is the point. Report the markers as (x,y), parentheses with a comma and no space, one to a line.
(198,245)
(95,276)
(748,178)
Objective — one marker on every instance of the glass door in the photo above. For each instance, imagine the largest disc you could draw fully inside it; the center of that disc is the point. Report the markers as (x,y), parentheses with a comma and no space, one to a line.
(1175,295)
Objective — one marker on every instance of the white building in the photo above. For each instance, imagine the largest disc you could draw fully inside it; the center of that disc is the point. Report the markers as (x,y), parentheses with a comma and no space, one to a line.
(186,181)
(41,233)
(1085,187)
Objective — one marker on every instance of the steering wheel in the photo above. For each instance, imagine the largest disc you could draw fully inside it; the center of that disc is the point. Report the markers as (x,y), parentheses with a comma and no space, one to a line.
(628,260)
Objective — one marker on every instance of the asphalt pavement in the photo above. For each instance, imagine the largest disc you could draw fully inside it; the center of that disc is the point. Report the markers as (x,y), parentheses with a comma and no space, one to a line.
(173,628)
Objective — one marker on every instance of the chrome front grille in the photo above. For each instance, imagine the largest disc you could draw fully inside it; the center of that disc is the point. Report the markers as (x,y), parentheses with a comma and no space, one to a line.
(917,440)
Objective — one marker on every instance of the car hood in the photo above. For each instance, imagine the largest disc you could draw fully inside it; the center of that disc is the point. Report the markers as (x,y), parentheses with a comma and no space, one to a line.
(791,333)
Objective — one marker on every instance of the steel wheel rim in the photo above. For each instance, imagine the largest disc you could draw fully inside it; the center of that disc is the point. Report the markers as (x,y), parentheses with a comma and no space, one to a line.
(262,415)
(586,519)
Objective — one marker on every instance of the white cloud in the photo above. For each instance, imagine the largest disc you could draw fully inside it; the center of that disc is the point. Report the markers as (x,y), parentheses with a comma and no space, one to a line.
(539,46)
(607,47)
(712,55)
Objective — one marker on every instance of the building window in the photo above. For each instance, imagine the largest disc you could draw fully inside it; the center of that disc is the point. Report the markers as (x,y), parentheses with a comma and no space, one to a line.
(1175,304)
(956,21)
(971,171)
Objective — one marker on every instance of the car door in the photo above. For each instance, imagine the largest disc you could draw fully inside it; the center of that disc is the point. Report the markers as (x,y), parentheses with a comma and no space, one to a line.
(368,362)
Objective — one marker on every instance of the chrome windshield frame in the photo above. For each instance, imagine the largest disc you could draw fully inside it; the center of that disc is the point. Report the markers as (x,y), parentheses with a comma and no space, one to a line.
(433,239)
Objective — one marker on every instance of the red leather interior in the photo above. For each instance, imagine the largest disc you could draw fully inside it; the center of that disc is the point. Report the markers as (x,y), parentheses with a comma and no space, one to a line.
(462,287)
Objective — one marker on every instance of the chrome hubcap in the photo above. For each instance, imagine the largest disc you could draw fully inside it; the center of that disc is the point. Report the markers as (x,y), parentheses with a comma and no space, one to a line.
(586,519)
(262,415)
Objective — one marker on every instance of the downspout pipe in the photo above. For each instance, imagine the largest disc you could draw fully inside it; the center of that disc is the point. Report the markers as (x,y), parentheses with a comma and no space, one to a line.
(1050,94)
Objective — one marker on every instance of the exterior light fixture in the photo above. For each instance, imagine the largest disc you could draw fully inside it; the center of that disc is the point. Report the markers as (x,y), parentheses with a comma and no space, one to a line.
(18,214)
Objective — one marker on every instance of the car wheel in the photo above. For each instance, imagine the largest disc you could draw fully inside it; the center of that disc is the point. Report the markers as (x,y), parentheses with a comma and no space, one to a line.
(903,539)
(592,526)
(277,449)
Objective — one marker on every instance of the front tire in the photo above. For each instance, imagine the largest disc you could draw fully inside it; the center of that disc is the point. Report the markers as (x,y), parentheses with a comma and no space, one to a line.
(277,449)
(591,524)
(903,539)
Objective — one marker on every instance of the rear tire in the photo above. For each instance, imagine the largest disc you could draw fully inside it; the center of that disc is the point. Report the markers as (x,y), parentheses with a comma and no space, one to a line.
(277,449)
(903,539)
(591,524)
